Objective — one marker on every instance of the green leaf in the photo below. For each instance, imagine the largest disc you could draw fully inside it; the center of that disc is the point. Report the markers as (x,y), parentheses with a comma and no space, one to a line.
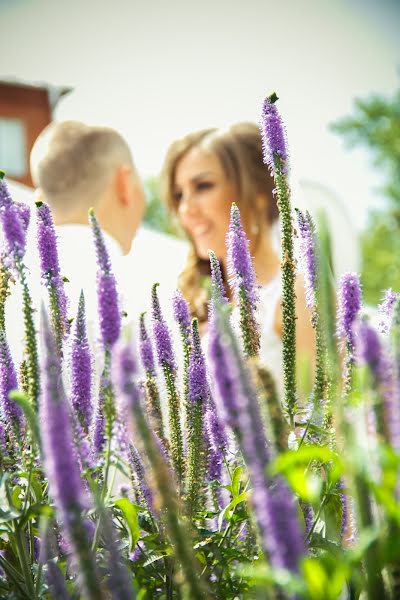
(235,484)
(228,510)
(130,513)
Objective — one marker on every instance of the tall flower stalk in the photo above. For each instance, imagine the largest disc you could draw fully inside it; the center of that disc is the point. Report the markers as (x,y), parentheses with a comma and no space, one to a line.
(152,392)
(349,304)
(51,274)
(166,359)
(310,269)
(180,535)
(8,381)
(243,282)
(14,222)
(81,369)
(272,501)
(276,157)
(197,398)
(61,464)
(110,328)
(182,318)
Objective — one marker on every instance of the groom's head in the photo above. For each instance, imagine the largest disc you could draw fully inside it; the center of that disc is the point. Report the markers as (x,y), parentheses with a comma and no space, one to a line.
(76,166)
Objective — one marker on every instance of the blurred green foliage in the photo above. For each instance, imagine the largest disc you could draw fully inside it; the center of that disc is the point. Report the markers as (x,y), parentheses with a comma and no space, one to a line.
(156,214)
(376,124)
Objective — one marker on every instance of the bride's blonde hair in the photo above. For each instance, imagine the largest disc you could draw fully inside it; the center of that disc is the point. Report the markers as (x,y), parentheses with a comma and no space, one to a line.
(239,150)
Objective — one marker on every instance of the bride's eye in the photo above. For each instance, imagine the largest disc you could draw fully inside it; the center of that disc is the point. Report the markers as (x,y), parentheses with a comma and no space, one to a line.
(177,195)
(204,185)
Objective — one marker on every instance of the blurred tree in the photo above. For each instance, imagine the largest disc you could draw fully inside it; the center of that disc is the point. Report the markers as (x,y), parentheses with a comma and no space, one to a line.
(156,214)
(376,124)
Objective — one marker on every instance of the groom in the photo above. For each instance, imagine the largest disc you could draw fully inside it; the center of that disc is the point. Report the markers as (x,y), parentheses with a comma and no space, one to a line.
(75,167)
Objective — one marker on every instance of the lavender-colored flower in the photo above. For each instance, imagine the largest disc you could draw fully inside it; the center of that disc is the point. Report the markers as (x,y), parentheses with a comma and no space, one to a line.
(240,265)
(5,197)
(146,349)
(81,369)
(198,384)
(243,282)
(109,312)
(273,134)
(14,233)
(144,492)
(369,351)
(118,583)
(162,334)
(3,441)
(224,376)
(24,214)
(349,303)
(98,433)
(8,381)
(218,288)
(386,310)
(273,503)
(47,243)
(181,313)
(216,441)
(49,263)
(61,464)
(307,255)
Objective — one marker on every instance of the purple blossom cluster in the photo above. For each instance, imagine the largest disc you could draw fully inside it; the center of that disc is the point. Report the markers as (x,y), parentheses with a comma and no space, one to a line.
(307,255)
(349,304)
(273,134)
(107,294)
(15,220)
(386,309)
(240,264)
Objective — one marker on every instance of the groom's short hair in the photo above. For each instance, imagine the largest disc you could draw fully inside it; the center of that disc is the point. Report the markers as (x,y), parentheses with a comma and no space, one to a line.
(72,163)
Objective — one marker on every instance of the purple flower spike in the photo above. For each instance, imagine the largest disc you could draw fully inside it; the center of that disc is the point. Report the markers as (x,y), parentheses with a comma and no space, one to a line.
(5,197)
(307,255)
(24,214)
(162,334)
(224,376)
(107,294)
(181,313)
(109,312)
(47,243)
(386,310)
(349,303)
(218,288)
(8,381)
(146,348)
(124,371)
(273,503)
(370,351)
(198,384)
(50,266)
(273,134)
(14,231)
(81,369)
(240,265)
(61,463)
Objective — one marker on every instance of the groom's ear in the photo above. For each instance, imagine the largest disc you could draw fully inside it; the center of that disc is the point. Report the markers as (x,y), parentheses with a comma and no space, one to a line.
(123,182)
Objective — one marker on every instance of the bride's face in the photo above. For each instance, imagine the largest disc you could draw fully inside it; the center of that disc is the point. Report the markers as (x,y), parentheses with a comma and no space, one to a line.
(204,196)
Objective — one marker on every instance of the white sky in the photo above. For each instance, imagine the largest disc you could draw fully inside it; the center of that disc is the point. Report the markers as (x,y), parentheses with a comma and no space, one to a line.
(156,69)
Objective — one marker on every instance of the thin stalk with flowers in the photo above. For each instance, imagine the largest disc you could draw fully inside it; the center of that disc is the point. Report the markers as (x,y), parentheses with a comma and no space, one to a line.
(276,157)
(15,224)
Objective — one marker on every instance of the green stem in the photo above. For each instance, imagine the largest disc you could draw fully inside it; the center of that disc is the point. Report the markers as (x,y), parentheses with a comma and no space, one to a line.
(30,336)
(288,291)
(176,441)
(24,560)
